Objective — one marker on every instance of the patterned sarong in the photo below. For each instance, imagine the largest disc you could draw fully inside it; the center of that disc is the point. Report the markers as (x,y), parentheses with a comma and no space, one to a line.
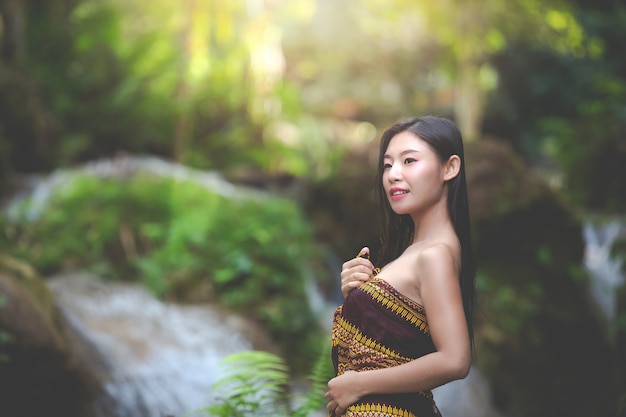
(378,327)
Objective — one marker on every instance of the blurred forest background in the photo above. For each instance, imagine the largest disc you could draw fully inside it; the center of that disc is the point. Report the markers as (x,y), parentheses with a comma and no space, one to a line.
(283,101)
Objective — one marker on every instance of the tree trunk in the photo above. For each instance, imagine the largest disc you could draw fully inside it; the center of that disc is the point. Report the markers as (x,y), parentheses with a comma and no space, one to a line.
(13,44)
(469,104)
(183,123)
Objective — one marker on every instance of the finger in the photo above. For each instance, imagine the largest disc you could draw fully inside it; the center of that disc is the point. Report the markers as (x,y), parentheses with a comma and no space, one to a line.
(353,263)
(364,253)
(361,276)
(358,278)
(332,405)
(365,269)
(354,284)
(346,288)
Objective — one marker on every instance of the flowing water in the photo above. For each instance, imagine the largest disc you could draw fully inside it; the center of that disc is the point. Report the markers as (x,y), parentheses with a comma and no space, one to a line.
(160,359)
(469,397)
(605,270)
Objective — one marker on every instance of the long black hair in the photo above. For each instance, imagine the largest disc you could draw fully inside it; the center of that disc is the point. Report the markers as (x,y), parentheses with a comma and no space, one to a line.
(444,138)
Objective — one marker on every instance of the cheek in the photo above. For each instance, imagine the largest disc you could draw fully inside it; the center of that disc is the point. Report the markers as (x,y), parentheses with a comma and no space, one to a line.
(426,176)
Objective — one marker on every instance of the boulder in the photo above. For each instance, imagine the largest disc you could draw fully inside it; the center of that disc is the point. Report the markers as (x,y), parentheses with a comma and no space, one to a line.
(38,374)
(535,323)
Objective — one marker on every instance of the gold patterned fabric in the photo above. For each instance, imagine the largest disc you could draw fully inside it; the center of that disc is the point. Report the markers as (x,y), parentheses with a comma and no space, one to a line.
(378,327)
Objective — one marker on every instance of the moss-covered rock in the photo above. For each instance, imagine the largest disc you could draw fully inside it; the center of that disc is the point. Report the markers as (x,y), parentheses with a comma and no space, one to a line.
(39,375)
(539,339)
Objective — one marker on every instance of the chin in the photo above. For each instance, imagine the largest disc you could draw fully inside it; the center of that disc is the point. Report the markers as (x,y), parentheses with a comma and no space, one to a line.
(401,212)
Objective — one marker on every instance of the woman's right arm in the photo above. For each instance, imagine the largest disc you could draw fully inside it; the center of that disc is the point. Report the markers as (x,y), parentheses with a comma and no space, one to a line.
(355,272)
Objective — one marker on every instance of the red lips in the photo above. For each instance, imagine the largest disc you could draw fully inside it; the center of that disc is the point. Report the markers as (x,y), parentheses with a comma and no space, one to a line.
(396,193)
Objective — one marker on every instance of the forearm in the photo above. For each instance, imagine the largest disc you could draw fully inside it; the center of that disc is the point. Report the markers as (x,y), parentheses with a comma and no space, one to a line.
(421,374)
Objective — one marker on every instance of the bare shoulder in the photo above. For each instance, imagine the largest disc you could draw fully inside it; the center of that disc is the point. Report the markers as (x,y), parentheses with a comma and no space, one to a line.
(437,268)
(438,259)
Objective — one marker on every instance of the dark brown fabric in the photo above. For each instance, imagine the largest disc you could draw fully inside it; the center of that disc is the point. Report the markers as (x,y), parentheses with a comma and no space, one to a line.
(378,327)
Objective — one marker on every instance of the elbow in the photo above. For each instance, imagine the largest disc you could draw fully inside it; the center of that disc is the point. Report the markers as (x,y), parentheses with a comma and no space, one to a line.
(464,370)
(459,368)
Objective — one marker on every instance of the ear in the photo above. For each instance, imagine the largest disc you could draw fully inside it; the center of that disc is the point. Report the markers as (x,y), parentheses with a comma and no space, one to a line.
(452,168)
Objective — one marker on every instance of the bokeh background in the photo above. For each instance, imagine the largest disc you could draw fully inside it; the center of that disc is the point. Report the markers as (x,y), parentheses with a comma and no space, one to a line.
(181,180)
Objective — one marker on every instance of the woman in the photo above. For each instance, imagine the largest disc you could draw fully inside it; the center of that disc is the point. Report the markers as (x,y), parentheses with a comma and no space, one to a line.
(406,328)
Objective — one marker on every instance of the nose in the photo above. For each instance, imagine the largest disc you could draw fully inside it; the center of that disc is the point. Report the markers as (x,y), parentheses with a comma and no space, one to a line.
(395,172)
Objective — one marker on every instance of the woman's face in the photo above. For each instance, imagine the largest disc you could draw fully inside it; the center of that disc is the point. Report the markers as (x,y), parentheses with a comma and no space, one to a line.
(413,175)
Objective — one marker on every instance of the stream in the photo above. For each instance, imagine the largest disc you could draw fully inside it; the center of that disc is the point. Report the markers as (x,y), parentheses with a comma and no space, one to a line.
(604,269)
(159,359)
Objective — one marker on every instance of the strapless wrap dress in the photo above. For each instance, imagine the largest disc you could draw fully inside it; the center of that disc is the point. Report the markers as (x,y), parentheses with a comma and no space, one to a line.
(378,327)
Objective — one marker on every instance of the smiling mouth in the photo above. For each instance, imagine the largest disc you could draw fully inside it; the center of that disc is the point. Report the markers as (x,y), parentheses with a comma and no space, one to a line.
(399,193)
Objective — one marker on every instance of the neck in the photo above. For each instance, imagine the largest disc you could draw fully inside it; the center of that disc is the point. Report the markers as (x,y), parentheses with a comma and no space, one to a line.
(431,222)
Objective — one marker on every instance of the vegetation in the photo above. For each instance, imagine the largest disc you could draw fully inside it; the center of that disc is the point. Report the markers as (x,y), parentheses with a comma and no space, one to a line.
(4,336)
(565,112)
(183,242)
(256,384)
(293,92)
(536,320)
(238,88)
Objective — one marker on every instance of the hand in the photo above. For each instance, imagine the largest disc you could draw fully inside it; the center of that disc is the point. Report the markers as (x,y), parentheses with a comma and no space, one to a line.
(355,272)
(342,392)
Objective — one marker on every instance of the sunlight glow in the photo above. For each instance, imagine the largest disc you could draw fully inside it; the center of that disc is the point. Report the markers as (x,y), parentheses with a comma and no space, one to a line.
(557,19)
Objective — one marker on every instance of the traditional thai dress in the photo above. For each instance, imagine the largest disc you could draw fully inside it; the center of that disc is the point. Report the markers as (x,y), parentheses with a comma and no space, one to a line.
(378,327)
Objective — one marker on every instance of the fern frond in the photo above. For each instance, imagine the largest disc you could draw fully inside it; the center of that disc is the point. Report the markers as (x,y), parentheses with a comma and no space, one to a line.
(321,373)
(251,384)
(255,384)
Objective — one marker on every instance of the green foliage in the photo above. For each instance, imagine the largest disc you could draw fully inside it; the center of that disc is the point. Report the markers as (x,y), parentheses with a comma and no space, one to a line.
(256,384)
(185,81)
(321,373)
(4,336)
(578,130)
(78,83)
(184,242)
(593,173)
(537,321)
(180,79)
(590,149)
(252,383)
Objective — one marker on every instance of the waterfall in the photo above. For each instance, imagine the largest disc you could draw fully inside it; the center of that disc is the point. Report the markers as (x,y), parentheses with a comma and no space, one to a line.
(160,359)
(469,397)
(605,270)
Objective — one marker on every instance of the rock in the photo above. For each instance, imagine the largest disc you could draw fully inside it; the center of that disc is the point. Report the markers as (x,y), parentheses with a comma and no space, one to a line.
(40,376)
(535,321)
(83,347)
(498,180)
(161,358)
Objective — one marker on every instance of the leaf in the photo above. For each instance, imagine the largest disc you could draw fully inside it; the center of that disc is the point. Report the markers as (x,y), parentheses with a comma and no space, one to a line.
(252,383)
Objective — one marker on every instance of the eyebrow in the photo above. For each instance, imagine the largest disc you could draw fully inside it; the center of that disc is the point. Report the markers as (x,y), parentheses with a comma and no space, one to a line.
(402,153)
